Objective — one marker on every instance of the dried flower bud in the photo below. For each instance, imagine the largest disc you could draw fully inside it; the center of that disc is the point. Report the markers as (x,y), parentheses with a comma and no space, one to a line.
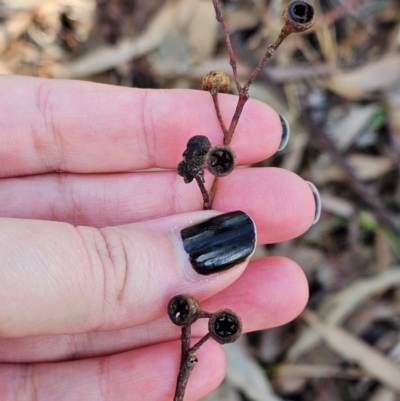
(183,310)
(221,160)
(298,16)
(194,158)
(225,326)
(197,145)
(216,80)
(183,171)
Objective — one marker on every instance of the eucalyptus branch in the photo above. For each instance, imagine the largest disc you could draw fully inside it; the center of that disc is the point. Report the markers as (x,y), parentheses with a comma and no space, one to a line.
(298,16)
(224,326)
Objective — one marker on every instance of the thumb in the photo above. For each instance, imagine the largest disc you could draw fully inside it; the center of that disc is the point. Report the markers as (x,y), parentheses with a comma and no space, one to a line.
(56,278)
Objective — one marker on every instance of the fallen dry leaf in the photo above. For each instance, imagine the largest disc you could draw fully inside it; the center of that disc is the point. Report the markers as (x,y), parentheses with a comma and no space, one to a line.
(225,392)
(354,350)
(345,129)
(374,76)
(107,57)
(383,394)
(365,167)
(244,372)
(13,28)
(337,206)
(191,40)
(339,306)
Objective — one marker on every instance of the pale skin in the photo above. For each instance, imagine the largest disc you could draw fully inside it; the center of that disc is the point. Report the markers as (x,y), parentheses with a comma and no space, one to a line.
(89,258)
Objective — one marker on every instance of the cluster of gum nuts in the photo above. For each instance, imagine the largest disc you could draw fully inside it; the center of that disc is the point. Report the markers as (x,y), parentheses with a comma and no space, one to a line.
(298,16)
(224,326)
(220,159)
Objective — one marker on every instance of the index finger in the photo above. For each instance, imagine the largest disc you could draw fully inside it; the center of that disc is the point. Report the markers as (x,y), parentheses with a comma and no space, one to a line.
(83,127)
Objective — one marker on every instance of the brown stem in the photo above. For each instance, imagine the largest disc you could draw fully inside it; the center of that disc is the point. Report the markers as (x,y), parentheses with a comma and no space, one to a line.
(204,193)
(232,58)
(243,97)
(243,91)
(213,191)
(252,61)
(196,347)
(214,94)
(270,52)
(188,361)
(205,314)
(185,339)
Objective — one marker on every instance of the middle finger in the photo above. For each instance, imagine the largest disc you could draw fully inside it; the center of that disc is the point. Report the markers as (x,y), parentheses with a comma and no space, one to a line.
(280,202)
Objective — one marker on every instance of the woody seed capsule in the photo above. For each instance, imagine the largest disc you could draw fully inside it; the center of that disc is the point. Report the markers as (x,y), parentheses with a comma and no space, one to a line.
(225,326)
(298,16)
(216,80)
(183,310)
(221,160)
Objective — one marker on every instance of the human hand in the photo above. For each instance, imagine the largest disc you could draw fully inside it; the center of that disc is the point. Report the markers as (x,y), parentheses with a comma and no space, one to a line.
(90,251)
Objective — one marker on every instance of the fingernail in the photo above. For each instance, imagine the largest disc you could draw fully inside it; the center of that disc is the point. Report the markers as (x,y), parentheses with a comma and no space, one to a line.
(285,132)
(217,244)
(317,199)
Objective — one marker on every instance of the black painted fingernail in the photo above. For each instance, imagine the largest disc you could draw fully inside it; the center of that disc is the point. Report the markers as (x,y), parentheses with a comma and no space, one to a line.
(219,243)
(285,132)
(317,199)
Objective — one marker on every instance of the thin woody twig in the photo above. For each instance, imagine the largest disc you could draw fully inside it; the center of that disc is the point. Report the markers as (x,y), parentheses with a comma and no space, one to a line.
(243,92)
(243,97)
(224,326)
(196,347)
(214,95)
(188,361)
(213,191)
(269,53)
(298,16)
(206,198)
(232,58)
(205,314)
(217,329)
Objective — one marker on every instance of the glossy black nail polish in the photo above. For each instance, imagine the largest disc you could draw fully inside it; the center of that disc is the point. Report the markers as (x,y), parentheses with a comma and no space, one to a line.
(285,132)
(219,243)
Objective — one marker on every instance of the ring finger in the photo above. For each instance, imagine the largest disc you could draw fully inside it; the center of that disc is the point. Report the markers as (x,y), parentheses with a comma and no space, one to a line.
(280,202)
